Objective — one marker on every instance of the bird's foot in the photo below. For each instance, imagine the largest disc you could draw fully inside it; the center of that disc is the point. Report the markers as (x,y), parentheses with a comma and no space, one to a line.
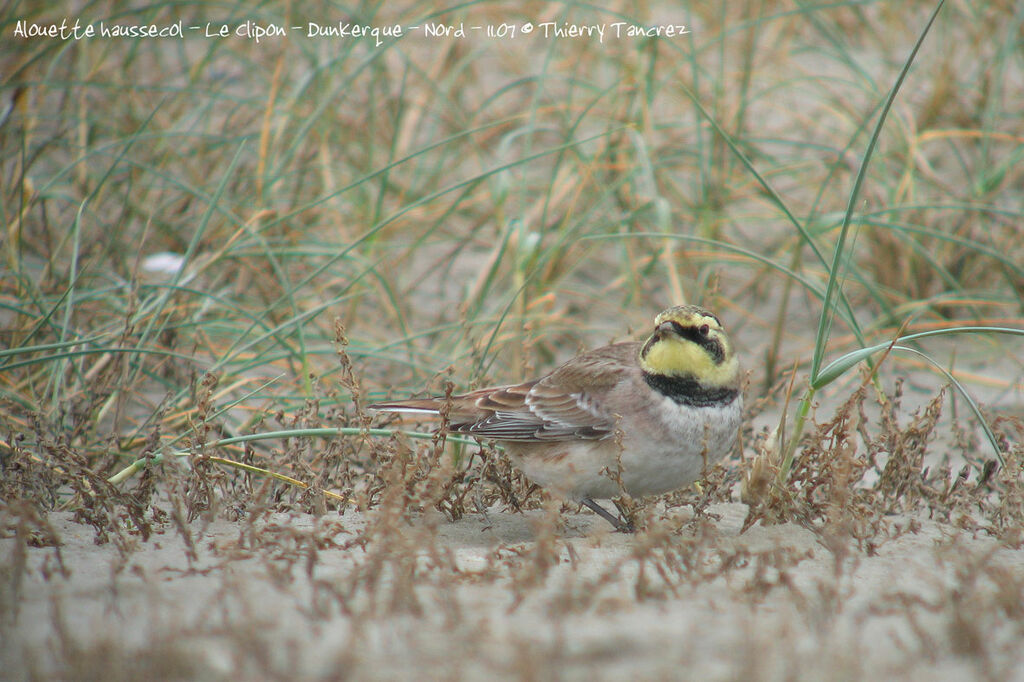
(617,523)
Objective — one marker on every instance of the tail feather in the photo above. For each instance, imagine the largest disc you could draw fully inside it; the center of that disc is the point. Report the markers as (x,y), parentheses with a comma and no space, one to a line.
(415,406)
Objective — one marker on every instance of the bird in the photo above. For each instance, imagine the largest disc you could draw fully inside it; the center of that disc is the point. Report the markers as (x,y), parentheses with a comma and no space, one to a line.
(641,418)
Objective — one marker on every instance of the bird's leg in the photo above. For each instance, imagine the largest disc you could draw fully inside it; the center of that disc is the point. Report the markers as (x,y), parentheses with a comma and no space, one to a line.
(617,523)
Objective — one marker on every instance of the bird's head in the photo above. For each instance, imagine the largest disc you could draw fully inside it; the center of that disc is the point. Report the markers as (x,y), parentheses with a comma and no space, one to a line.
(688,342)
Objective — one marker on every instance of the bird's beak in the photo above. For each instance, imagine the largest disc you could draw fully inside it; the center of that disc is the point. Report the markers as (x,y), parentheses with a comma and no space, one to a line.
(664,328)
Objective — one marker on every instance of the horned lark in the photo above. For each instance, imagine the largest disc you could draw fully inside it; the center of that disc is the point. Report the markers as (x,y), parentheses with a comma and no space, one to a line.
(640,418)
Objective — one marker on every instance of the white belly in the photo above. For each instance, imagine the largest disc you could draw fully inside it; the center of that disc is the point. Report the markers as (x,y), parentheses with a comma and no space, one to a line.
(663,452)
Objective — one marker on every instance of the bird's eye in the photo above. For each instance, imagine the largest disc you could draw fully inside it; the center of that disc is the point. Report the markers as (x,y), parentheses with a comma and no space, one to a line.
(704,330)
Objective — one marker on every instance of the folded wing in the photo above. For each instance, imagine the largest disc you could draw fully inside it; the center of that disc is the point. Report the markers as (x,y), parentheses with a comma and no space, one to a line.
(564,405)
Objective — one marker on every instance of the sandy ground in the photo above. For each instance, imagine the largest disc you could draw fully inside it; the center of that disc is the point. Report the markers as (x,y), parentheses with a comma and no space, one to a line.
(290,596)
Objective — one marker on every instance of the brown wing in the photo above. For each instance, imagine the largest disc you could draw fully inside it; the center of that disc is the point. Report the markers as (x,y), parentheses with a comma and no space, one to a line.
(564,405)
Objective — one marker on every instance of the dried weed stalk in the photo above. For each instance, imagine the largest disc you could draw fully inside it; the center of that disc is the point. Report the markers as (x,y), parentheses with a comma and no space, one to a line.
(821,486)
(854,475)
(200,486)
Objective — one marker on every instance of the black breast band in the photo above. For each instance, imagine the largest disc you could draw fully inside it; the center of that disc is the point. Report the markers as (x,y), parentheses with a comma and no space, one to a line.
(688,391)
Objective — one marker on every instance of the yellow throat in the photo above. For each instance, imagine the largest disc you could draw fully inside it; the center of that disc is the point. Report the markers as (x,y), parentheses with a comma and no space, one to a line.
(689,342)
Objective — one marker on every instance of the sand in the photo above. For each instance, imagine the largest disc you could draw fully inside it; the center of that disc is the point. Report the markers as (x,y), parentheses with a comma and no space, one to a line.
(513,596)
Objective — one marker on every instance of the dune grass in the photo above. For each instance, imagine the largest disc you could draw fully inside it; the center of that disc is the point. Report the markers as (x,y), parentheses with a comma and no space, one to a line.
(351,221)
